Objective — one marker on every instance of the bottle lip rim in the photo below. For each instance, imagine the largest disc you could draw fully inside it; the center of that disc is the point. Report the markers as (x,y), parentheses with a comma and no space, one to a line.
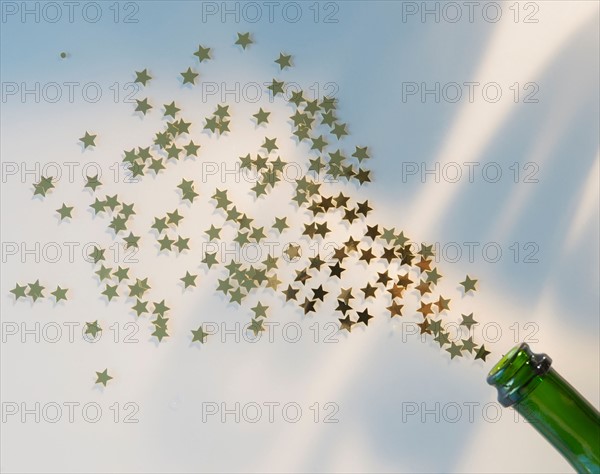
(506,361)
(517,373)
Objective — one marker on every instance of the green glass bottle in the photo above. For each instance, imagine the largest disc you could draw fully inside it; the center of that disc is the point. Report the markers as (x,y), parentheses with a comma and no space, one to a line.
(526,382)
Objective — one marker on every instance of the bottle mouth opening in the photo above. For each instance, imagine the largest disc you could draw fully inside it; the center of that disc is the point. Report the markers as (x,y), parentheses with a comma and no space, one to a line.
(517,373)
(505,362)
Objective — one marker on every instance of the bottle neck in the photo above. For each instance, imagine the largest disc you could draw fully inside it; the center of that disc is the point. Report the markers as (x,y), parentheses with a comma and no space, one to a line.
(555,409)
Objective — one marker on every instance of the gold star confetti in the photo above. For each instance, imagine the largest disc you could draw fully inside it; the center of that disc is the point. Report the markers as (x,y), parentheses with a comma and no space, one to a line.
(393,265)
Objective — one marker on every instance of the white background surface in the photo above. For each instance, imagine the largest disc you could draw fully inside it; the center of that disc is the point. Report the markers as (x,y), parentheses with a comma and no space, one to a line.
(372,375)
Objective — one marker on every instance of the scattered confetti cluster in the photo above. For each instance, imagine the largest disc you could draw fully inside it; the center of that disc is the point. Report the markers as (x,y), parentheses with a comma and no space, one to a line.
(36,291)
(315,122)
